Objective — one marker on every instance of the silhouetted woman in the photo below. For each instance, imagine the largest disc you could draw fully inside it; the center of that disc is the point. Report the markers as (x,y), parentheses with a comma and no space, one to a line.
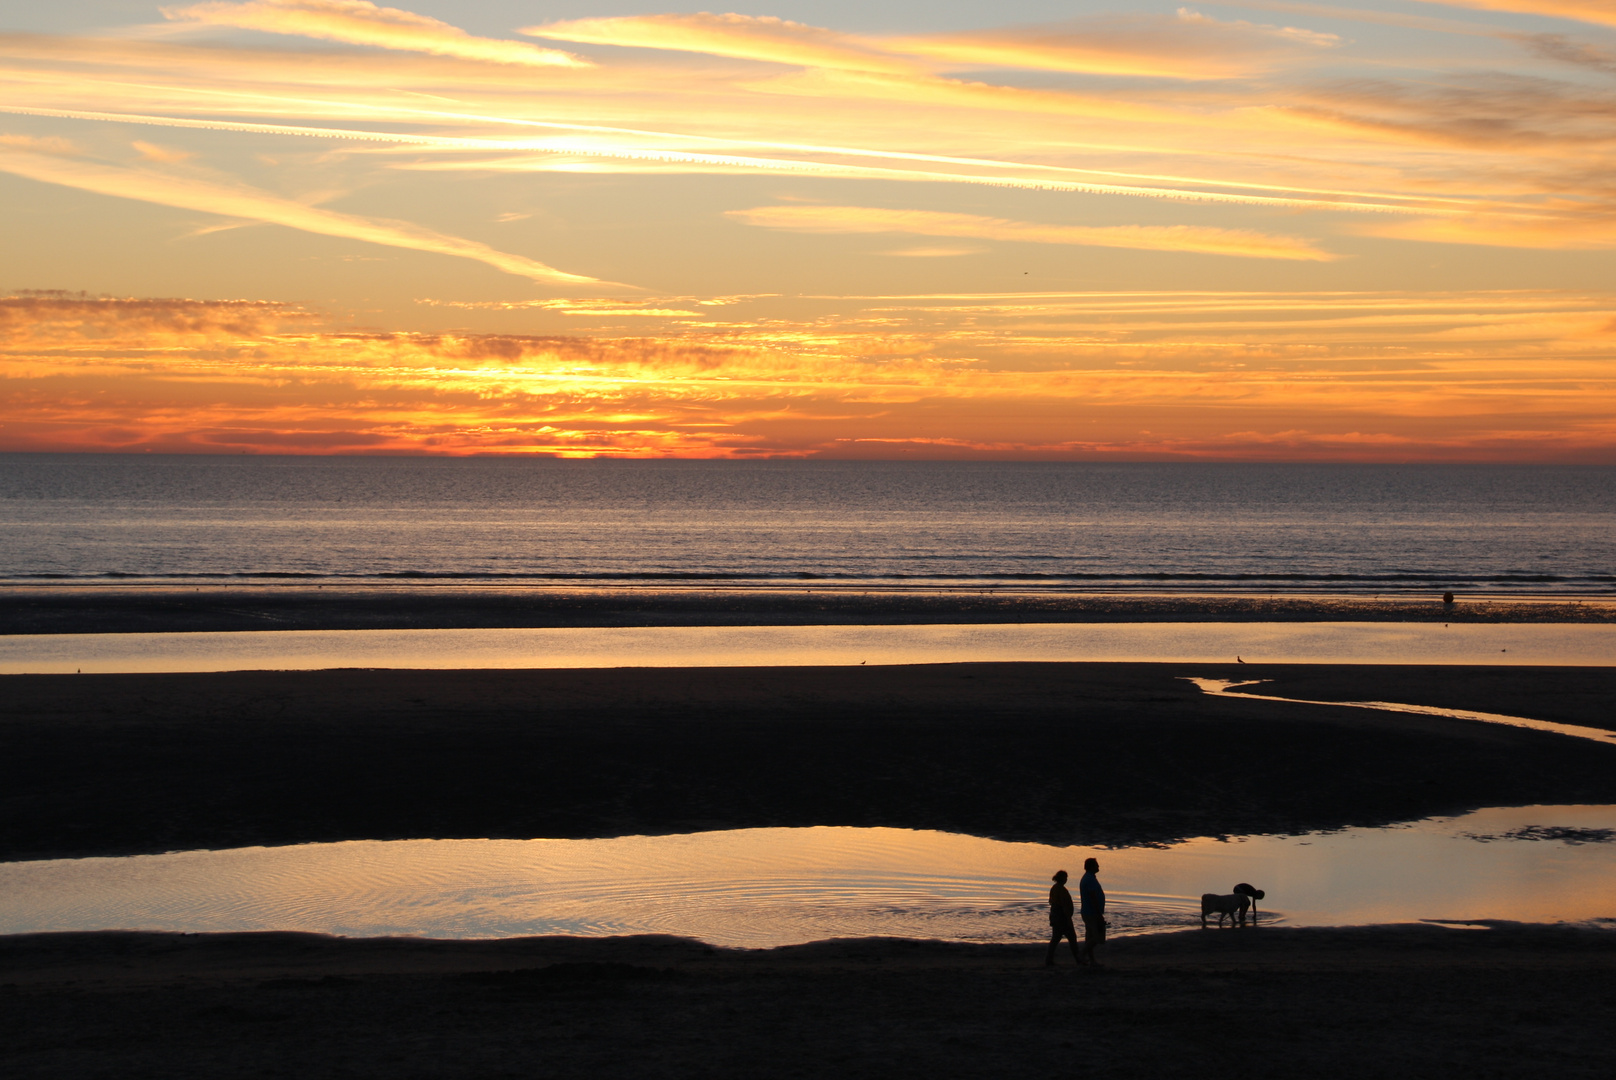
(1060,919)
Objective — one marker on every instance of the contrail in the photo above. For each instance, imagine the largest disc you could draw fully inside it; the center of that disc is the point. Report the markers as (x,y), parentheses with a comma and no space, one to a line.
(1050,183)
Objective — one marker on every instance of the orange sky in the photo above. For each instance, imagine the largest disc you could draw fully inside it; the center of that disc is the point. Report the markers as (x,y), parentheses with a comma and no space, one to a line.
(1271,230)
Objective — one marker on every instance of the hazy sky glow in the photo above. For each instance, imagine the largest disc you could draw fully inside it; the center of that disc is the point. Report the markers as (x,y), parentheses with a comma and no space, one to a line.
(1265,230)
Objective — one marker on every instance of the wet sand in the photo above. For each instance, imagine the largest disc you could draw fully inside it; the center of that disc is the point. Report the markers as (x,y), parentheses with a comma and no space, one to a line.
(86,609)
(1509,1001)
(1066,753)
(1088,754)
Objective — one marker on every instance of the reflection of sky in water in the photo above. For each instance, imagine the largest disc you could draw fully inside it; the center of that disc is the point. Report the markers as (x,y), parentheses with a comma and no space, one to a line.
(762,887)
(754,646)
(1239,689)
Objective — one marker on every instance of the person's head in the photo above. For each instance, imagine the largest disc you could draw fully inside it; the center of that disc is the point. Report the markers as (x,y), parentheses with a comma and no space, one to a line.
(1059,878)
(1092,865)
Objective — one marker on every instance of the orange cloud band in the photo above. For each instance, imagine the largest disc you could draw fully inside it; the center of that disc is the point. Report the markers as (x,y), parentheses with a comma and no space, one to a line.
(1526,378)
(1591,11)
(1190,238)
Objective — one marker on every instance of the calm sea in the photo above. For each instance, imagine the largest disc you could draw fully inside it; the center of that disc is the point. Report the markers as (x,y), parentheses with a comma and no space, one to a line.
(1292,528)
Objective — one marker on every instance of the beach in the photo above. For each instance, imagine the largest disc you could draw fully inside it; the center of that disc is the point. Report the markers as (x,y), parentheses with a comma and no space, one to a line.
(1505,1001)
(1086,754)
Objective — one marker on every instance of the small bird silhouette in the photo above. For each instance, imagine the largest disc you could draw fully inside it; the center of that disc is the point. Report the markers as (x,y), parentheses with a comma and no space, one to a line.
(1238,660)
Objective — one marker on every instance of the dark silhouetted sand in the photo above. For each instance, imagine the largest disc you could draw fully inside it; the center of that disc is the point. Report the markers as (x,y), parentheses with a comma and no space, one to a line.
(1063,753)
(102,608)
(1373,1002)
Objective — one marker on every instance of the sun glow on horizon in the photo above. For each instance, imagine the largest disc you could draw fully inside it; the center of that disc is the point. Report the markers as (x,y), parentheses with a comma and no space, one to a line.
(1283,231)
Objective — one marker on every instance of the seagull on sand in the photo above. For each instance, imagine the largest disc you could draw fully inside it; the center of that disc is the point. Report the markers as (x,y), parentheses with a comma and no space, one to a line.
(1238,660)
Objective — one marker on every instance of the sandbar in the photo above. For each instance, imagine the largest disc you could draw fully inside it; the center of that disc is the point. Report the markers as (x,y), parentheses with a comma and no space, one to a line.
(1061,753)
(55,608)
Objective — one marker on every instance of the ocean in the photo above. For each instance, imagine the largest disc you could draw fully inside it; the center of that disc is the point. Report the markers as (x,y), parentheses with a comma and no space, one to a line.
(68,518)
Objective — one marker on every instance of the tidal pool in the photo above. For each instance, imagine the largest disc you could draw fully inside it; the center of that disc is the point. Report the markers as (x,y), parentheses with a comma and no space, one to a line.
(795,646)
(767,887)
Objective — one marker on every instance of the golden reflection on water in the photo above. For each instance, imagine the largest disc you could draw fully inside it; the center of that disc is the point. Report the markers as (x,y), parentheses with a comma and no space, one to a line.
(1228,688)
(796,646)
(765,887)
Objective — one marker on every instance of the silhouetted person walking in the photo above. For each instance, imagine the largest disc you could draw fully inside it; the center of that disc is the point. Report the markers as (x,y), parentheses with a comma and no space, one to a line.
(1091,901)
(1060,919)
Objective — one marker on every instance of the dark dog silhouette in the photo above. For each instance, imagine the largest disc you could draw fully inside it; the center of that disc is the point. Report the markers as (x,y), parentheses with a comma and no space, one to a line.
(1231,906)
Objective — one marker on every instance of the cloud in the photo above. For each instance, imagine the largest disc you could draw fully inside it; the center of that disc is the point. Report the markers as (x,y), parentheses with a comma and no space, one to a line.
(1189,238)
(163,155)
(925,129)
(241,201)
(49,144)
(1577,231)
(48,317)
(1541,119)
(1268,376)
(1591,11)
(741,37)
(1568,50)
(1186,46)
(359,22)
(931,252)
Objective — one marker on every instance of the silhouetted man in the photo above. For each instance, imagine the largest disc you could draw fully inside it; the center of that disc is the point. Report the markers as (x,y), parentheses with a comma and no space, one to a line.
(1060,919)
(1091,900)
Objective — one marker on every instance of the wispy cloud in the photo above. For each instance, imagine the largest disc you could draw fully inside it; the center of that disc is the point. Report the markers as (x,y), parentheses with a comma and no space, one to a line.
(1568,50)
(241,201)
(1370,15)
(1590,11)
(163,155)
(359,22)
(1187,238)
(1187,45)
(744,37)
(1575,231)
(932,251)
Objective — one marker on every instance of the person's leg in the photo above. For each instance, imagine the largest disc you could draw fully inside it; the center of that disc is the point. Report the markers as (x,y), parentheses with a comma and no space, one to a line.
(1071,939)
(1093,934)
(1054,940)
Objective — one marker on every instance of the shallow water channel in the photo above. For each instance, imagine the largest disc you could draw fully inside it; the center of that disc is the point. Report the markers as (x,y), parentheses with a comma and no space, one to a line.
(766,887)
(1572,644)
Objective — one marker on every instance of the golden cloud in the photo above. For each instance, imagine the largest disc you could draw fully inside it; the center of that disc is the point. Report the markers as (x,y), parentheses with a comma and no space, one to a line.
(743,37)
(1188,45)
(1591,11)
(1190,238)
(359,22)
(239,201)
(1463,376)
(1575,231)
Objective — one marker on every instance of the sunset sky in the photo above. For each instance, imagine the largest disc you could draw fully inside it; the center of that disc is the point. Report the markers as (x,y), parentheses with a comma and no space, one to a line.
(1266,230)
